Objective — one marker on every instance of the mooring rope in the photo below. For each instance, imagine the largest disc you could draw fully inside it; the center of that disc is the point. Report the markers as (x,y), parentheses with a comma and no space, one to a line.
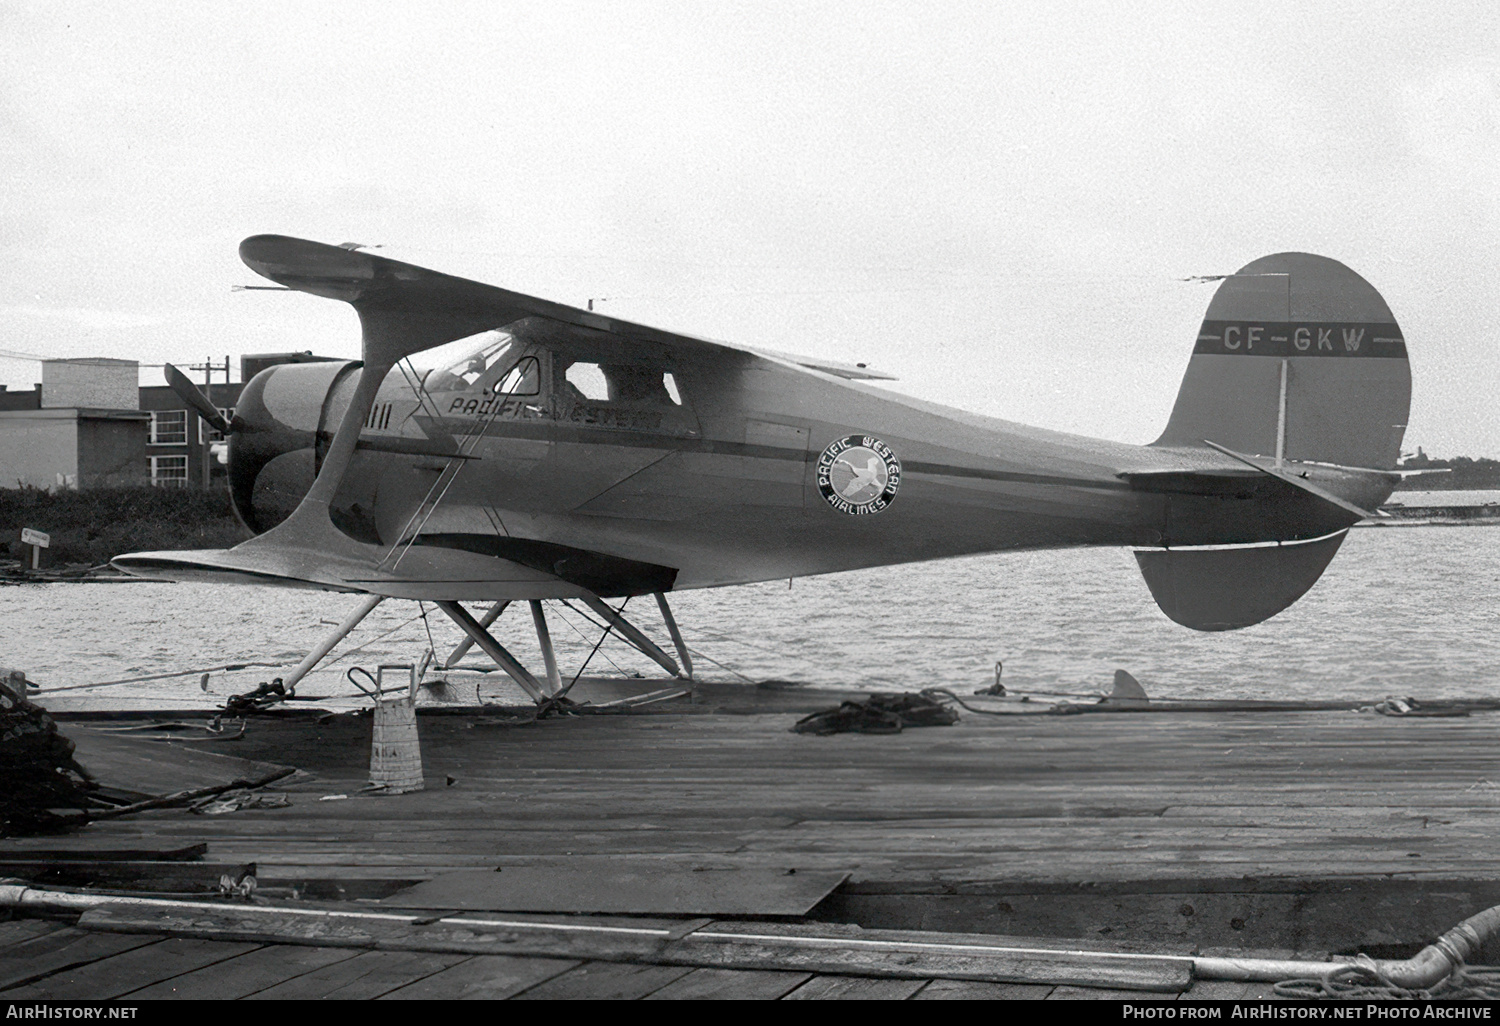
(1364,982)
(228,667)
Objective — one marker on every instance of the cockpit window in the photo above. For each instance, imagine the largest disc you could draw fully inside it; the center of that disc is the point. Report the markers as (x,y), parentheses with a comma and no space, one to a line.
(522,379)
(491,365)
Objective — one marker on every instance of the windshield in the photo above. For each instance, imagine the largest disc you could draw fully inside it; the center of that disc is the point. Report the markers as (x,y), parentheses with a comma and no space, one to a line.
(491,351)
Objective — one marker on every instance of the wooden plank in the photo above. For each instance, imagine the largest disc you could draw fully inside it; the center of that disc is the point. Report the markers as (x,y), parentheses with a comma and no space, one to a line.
(606,981)
(730,985)
(44,850)
(484,977)
(16,931)
(609,885)
(974,990)
(1104,994)
(59,950)
(1231,990)
(830,949)
(156,767)
(822,948)
(143,876)
(245,974)
(854,988)
(129,971)
(367,975)
(514,934)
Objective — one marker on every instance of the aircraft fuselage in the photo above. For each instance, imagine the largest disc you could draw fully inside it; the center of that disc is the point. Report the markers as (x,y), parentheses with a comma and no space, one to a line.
(747,469)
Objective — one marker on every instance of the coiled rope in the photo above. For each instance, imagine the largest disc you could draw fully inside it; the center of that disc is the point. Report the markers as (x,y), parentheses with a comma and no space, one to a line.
(1363,981)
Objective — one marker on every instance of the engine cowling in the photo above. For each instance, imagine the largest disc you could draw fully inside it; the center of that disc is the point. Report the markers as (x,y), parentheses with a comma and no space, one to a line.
(283,424)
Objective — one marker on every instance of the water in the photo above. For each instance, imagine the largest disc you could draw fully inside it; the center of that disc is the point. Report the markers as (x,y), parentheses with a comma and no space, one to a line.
(1401,610)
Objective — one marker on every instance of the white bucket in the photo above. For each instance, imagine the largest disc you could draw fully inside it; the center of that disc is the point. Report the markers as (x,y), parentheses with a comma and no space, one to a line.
(395,751)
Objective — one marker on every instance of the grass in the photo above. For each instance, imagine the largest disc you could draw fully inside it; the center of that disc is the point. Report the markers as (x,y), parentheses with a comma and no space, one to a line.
(96,525)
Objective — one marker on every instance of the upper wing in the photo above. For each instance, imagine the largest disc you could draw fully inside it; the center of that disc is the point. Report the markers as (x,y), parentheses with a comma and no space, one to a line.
(413,295)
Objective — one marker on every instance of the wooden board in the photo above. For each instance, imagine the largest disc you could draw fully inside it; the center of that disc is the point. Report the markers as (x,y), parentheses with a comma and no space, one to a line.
(854,988)
(119,760)
(730,985)
(974,990)
(618,886)
(129,971)
(245,974)
(816,948)
(367,975)
(483,978)
(57,950)
(1291,800)
(18,931)
(605,981)
(83,848)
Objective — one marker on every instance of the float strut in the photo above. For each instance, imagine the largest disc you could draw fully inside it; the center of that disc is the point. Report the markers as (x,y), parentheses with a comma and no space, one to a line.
(325,646)
(462,648)
(671,621)
(492,648)
(630,633)
(544,639)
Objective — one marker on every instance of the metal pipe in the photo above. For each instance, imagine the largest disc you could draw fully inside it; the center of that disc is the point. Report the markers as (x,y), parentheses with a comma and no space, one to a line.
(462,648)
(326,645)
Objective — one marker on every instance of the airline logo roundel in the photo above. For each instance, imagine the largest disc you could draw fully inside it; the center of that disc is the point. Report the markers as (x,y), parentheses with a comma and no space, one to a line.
(858,474)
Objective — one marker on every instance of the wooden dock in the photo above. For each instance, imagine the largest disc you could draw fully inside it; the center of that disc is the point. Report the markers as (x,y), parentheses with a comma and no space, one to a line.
(1292,833)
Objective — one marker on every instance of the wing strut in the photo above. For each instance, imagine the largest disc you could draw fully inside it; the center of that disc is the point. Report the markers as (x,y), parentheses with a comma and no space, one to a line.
(462,648)
(631,633)
(544,639)
(671,621)
(496,651)
(325,646)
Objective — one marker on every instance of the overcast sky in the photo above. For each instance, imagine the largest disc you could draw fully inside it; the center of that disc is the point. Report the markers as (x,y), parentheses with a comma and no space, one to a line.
(993,201)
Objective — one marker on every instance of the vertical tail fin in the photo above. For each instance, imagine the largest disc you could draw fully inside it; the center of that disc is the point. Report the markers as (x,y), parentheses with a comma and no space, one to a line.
(1298,358)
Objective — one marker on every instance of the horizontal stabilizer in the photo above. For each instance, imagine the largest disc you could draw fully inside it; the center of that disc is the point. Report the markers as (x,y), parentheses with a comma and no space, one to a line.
(1223,588)
(1301,481)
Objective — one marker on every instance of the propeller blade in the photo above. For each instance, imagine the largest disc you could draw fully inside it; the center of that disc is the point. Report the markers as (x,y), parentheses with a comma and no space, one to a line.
(194,397)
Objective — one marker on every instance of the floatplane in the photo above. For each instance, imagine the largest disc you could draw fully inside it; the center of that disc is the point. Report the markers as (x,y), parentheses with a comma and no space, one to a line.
(570,455)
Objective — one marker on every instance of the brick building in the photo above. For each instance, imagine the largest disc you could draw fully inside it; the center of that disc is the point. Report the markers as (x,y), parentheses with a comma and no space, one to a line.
(90,424)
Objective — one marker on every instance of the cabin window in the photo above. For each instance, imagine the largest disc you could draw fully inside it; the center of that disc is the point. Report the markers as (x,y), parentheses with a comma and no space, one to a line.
(169,471)
(588,381)
(169,427)
(623,383)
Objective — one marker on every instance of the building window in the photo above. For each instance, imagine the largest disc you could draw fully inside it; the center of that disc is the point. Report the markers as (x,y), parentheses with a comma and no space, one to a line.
(169,471)
(169,427)
(207,434)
